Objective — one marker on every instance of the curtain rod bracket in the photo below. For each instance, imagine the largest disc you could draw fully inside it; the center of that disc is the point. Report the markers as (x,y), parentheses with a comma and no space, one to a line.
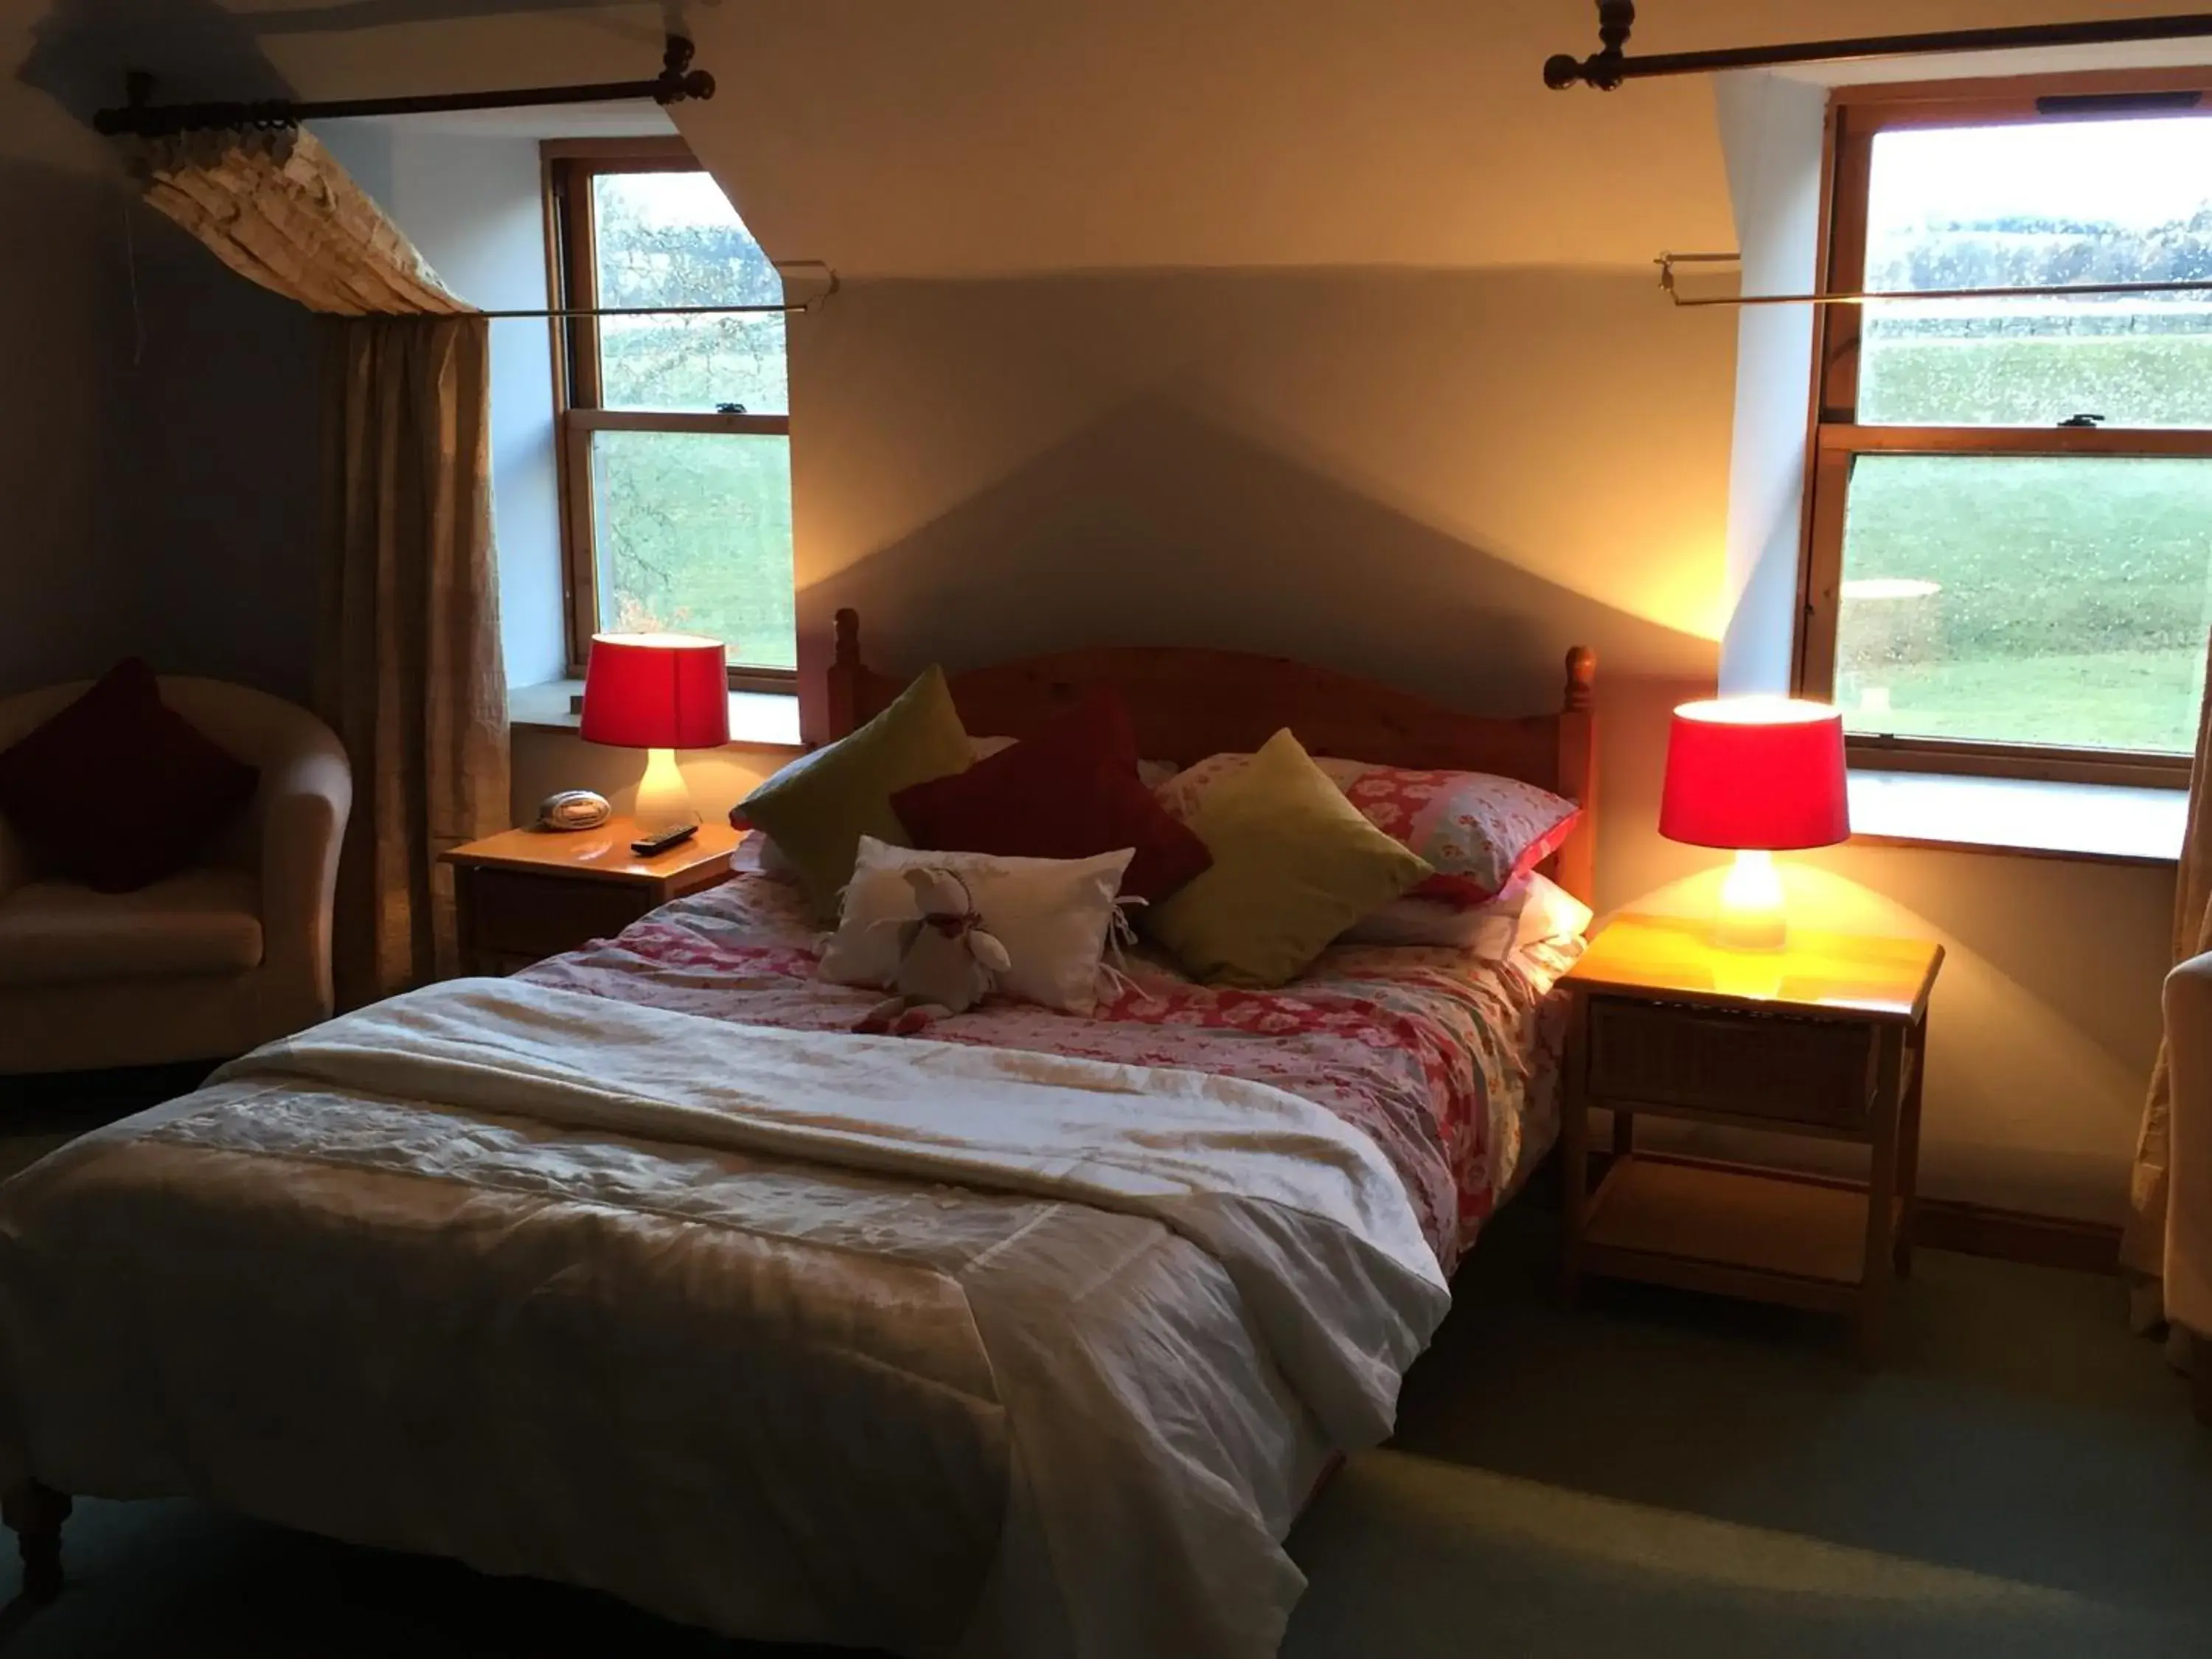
(1602,70)
(679,81)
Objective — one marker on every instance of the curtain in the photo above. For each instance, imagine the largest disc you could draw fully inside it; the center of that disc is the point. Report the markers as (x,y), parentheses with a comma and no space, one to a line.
(272,204)
(407,665)
(2142,1246)
(408,668)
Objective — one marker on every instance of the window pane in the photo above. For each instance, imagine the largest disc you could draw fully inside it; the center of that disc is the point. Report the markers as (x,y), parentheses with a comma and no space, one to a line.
(2057,600)
(694,535)
(672,238)
(2055,204)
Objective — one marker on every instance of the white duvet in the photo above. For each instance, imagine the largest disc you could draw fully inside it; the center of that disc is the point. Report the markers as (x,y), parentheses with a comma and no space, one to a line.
(795,1335)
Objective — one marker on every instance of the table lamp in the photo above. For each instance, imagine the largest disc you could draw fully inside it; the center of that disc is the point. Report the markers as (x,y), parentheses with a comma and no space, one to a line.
(660,693)
(1758,775)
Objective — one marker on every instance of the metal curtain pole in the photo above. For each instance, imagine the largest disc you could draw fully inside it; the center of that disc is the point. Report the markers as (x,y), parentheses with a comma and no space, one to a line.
(1668,280)
(1609,66)
(677,83)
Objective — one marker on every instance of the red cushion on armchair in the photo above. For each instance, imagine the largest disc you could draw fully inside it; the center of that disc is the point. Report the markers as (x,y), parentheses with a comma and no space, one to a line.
(118,789)
(1070,792)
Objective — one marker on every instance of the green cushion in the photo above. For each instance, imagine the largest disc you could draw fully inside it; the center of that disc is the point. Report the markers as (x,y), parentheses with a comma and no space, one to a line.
(817,809)
(1294,864)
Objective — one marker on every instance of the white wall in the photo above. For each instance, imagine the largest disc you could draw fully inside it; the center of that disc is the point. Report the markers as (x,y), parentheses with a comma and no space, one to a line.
(473,205)
(1773,132)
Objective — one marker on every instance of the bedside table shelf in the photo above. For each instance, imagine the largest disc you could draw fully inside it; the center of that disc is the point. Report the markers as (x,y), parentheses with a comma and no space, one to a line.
(1825,1039)
(1708,1226)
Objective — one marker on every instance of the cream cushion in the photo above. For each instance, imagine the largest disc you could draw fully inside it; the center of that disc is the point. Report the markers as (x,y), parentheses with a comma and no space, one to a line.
(198,922)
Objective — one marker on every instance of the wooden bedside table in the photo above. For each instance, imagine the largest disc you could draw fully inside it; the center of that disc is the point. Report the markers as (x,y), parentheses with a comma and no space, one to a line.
(525,895)
(1825,1038)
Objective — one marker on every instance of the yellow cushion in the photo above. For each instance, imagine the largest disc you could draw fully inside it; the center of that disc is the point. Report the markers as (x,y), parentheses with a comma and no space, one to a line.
(817,809)
(1294,864)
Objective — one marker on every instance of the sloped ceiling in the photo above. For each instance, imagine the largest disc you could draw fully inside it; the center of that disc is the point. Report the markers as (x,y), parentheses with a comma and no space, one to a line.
(977,137)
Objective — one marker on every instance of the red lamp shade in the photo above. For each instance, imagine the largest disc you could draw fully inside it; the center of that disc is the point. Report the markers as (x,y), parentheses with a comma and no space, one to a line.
(1762,774)
(656,691)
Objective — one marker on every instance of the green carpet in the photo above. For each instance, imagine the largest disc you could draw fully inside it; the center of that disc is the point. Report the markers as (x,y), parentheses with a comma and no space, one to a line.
(1655,1474)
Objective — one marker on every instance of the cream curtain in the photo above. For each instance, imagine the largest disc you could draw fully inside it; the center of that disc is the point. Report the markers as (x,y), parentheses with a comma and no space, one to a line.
(408,659)
(2142,1246)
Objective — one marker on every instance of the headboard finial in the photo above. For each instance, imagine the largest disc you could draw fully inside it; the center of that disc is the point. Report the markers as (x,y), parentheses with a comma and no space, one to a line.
(1581,678)
(847,624)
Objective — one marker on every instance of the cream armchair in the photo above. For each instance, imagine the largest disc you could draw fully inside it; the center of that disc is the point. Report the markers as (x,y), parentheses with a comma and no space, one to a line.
(2189,1168)
(204,964)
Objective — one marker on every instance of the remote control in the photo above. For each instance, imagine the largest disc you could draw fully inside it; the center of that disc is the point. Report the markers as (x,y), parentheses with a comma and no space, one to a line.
(651,845)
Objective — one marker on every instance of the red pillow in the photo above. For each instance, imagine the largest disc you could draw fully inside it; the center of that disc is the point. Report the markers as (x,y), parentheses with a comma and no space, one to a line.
(118,789)
(1070,792)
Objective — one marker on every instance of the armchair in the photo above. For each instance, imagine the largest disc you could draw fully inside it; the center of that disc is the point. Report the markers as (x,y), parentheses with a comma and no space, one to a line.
(206,963)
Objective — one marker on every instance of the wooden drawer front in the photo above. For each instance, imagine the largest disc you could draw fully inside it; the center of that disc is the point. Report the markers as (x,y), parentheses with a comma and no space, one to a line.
(509,913)
(1796,1071)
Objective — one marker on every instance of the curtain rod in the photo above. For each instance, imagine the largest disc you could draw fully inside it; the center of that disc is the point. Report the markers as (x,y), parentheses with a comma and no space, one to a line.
(677,83)
(1666,262)
(557,313)
(1610,67)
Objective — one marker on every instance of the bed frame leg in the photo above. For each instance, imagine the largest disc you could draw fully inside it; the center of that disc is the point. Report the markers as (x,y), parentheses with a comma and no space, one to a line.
(35,1513)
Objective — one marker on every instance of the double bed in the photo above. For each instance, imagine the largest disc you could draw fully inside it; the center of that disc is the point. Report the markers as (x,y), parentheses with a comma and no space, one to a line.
(640,1270)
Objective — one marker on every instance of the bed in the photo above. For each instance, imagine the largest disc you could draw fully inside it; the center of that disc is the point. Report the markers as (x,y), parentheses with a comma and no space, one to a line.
(640,1271)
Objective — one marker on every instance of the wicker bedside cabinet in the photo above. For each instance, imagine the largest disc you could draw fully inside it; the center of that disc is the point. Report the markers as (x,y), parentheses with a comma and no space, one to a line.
(1825,1038)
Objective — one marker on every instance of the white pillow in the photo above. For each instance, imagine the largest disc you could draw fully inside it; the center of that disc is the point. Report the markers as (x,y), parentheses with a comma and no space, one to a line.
(1532,910)
(1053,917)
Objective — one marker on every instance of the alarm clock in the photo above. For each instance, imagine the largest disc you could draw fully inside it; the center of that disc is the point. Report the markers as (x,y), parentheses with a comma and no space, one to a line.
(573,809)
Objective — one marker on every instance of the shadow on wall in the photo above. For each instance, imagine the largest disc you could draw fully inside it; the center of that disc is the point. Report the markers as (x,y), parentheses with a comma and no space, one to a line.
(1157,525)
(67,608)
(82,49)
(200,49)
(211,466)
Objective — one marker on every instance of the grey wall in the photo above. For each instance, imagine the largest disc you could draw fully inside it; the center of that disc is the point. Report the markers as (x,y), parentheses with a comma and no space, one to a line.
(210,467)
(63,591)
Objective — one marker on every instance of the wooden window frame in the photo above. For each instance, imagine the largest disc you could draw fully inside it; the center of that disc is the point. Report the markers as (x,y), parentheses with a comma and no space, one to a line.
(1855,116)
(568,166)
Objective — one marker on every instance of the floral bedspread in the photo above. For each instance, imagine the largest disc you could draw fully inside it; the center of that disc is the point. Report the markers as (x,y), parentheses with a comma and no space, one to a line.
(1449,1064)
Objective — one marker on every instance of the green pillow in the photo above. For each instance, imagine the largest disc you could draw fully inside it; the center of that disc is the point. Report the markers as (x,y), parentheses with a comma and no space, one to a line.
(817,808)
(1294,864)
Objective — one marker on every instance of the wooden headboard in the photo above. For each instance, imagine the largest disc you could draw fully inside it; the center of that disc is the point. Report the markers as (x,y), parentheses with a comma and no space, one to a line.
(1187,703)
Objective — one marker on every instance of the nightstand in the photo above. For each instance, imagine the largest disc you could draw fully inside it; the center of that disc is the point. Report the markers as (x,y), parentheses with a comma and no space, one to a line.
(1825,1038)
(524,895)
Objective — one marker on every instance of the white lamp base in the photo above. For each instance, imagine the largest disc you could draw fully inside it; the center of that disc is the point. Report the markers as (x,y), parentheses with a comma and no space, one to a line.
(663,799)
(1750,916)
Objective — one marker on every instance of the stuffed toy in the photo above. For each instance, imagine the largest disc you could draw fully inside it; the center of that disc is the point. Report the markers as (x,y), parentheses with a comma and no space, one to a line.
(947,962)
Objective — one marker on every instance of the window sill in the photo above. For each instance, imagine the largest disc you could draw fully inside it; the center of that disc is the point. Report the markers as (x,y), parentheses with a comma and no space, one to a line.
(2108,823)
(759,720)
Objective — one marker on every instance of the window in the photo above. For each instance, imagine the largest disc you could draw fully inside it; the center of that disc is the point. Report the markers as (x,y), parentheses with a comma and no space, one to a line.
(675,436)
(2010,557)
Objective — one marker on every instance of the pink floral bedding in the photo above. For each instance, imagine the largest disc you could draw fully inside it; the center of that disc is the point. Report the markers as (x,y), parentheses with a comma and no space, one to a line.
(1449,1064)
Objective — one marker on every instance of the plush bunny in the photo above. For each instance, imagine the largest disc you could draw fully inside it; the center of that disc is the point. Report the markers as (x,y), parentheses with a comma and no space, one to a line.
(947,962)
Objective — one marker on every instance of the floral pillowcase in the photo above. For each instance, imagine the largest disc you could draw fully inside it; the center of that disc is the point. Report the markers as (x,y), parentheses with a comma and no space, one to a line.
(1479,831)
